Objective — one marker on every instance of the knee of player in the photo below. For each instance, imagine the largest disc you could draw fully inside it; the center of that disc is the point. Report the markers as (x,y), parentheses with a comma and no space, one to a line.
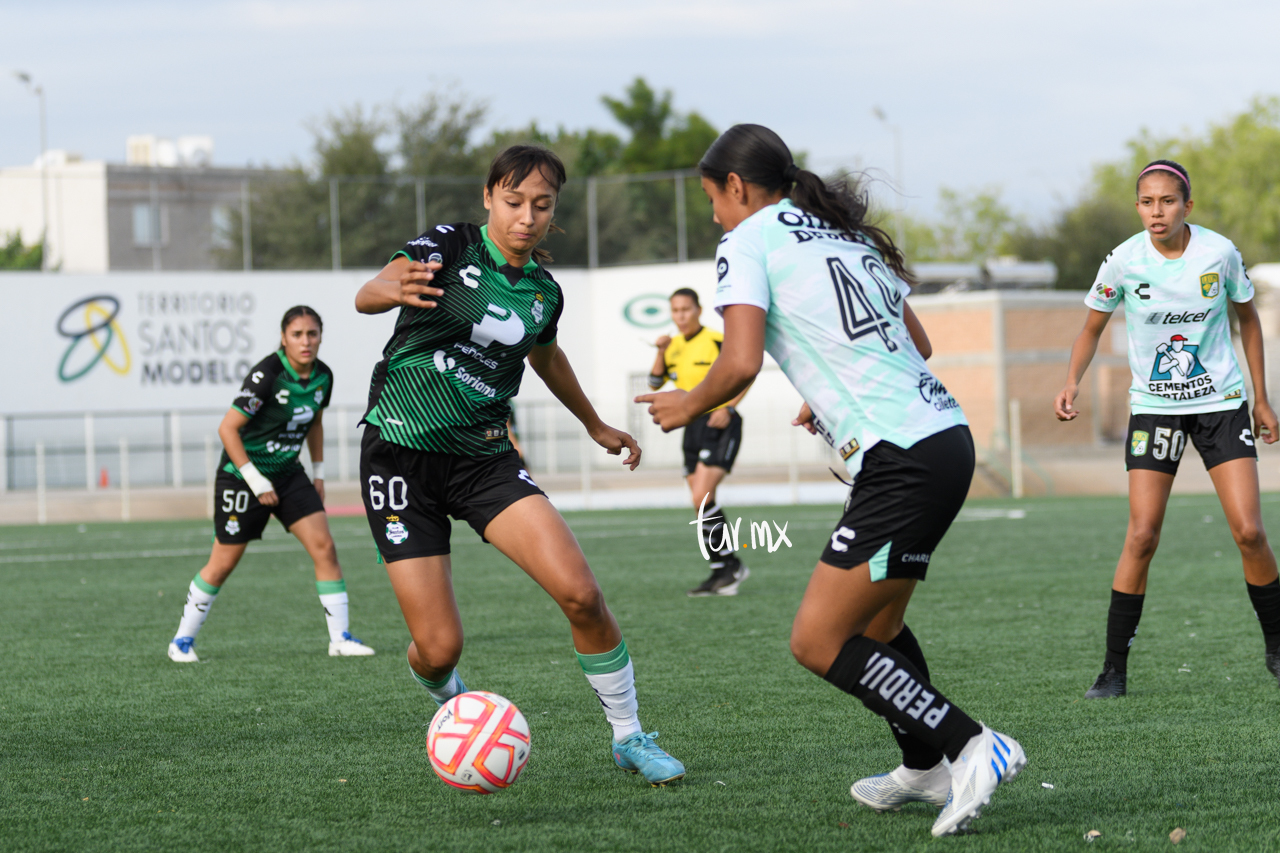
(807,648)
(584,604)
(1250,537)
(328,553)
(1143,538)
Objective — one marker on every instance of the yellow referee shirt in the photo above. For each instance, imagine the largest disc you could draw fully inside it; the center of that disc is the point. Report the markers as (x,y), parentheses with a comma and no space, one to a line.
(688,359)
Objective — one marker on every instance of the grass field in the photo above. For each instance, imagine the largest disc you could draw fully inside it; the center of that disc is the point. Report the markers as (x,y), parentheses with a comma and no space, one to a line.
(269,744)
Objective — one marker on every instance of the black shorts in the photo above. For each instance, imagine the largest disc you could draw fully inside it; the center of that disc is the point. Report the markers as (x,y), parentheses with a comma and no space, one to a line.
(718,447)
(901,505)
(238,517)
(1156,442)
(409,494)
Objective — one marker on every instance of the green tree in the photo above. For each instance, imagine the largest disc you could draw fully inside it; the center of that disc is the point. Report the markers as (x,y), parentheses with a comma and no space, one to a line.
(15,256)
(638,220)
(1235,182)
(973,227)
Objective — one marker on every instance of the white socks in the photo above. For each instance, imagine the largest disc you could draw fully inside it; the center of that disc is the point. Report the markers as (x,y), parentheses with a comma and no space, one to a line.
(200,597)
(333,597)
(613,679)
(936,778)
(441,691)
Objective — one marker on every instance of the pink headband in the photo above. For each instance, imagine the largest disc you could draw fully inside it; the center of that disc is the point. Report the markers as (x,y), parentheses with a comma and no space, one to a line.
(1181,176)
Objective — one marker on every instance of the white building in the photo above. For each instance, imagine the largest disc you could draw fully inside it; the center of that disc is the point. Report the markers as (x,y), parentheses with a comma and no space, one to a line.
(166,208)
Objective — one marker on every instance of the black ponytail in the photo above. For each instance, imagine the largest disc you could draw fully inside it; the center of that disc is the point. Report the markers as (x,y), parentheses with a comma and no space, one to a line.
(759,156)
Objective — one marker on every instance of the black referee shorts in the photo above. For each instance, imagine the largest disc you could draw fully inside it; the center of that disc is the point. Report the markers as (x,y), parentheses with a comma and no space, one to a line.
(1156,442)
(901,505)
(238,517)
(710,446)
(410,494)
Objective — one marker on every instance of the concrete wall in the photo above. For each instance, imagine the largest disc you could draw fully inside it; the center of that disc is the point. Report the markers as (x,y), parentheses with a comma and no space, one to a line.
(77,193)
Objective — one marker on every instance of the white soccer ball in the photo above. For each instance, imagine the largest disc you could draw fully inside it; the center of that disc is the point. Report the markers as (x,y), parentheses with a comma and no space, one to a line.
(478,742)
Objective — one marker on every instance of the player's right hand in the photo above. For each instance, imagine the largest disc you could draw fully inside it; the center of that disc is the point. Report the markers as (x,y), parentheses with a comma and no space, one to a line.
(416,290)
(805,419)
(662,343)
(269,498)
(1064,403)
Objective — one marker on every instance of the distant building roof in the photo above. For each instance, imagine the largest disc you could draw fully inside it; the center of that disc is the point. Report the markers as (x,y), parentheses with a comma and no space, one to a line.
(995,274)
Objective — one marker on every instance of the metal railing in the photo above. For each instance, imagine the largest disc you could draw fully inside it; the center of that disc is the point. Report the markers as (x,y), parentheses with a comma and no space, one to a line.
(235,219)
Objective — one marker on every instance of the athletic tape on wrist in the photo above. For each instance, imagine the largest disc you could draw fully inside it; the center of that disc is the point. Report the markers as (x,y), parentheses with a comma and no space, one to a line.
(317,470)
(257,483)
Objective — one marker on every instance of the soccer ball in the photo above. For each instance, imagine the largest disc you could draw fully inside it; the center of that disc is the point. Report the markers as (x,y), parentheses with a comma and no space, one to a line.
(478,742)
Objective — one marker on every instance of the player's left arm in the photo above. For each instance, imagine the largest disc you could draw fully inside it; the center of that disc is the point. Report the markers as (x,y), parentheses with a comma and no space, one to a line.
(741,358)
(1265,426)
(315,447)
(552,365)
(916,329)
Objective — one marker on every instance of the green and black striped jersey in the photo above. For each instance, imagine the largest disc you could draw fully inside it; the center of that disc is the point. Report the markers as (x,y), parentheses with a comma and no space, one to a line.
(280,406)
(448,372)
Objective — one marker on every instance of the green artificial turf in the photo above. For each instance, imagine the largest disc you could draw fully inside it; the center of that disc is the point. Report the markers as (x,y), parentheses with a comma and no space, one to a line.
(269,744)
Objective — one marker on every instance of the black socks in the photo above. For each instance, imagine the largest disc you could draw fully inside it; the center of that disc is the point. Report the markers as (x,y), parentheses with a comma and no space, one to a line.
(916,754)
(1266,605)
(1122,625)
(889,684)
(717,538)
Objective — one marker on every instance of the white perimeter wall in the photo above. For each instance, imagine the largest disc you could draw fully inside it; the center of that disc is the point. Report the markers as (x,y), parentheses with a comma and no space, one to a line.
(183,340)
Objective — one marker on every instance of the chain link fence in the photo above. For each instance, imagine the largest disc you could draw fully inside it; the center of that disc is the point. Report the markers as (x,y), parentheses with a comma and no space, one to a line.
(298,222)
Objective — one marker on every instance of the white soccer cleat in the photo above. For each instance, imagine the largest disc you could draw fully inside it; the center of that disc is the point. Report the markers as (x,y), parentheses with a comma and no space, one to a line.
(183,650)
(348,647)
(988,759)
(891,791)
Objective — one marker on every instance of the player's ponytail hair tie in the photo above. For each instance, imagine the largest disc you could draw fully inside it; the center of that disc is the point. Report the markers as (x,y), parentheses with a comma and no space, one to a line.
(789,173)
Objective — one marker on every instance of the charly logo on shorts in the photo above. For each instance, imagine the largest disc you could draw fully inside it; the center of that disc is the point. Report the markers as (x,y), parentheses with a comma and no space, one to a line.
(233,525)
(1138,443)
(396,531)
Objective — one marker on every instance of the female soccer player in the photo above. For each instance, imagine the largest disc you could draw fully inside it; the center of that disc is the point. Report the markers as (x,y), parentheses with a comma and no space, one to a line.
(711,441)
(1175,281)
(803,275)
(474,303)
(281,403)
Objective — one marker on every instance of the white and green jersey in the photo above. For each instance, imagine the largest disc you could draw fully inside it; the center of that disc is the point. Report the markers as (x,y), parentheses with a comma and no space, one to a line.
(1175,311)
(834,325)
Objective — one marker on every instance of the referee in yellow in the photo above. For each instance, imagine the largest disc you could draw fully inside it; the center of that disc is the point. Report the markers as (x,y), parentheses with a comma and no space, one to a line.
(711,441)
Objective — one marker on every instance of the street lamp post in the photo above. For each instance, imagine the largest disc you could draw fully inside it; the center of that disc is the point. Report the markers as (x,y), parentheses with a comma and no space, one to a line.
(900,207)
(38,91)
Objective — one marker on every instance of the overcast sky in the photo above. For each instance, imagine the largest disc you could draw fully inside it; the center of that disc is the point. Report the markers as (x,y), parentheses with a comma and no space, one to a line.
(1020,95)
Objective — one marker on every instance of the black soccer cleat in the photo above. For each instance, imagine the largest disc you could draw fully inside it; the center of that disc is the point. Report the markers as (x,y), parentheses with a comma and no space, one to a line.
(723,581)
(1273,663)
(1110,684)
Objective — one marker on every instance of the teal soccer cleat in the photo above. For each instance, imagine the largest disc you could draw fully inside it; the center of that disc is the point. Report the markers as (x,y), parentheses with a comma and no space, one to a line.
(639,754)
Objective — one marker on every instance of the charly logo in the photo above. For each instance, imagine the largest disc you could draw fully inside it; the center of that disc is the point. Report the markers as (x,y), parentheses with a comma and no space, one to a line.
(650,311)
(93,318)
